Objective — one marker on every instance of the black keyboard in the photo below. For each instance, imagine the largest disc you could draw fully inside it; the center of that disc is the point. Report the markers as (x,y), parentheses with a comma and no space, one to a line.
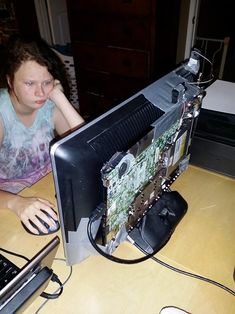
(8,271)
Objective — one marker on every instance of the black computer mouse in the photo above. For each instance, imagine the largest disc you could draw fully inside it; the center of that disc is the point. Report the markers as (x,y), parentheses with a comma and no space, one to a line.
(49,228)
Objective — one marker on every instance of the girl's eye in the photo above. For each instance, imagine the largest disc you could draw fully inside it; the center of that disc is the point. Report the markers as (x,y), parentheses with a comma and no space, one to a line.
(46,83)
(29,83)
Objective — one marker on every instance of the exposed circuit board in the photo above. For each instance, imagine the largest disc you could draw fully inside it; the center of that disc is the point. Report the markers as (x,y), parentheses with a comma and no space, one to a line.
(133,180)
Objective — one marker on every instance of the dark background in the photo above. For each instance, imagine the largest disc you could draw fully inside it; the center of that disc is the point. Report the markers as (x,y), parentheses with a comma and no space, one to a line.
(216,20)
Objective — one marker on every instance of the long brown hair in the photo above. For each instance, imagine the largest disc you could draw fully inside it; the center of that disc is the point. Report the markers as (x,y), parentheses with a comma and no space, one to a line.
(21,49)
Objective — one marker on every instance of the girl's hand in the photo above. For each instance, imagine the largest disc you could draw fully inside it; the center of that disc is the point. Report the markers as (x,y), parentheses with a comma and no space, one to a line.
(57,85)
(28,208)
(57,92)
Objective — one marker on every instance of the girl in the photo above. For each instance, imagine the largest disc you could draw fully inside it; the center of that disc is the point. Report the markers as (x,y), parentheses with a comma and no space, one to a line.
(33,108)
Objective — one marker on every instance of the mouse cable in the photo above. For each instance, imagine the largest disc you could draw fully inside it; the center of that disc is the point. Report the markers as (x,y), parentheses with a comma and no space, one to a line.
(15,254)
(186,273)
(63,284)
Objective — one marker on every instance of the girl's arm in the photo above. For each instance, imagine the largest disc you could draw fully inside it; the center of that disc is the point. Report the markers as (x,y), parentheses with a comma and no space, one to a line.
(65,116)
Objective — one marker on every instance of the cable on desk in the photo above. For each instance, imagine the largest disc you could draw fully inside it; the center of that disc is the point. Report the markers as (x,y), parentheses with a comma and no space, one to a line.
(99,211)
(15,254)
(95,215)
(50,296)
(186,273)
(63,284)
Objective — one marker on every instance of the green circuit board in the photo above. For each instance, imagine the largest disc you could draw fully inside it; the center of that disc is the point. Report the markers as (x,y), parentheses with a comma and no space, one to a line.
(129,177)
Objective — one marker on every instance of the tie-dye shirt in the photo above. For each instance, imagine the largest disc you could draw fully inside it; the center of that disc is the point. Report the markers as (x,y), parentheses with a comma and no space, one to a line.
(24,153)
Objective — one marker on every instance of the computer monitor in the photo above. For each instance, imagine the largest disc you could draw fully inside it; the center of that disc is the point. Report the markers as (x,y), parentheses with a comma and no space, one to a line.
(142,144)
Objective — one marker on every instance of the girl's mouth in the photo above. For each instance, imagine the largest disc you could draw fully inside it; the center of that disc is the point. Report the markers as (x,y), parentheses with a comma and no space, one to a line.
(40,102)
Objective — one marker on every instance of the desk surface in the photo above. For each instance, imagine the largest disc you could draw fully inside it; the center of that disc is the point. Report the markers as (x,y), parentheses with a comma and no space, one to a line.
(202,243)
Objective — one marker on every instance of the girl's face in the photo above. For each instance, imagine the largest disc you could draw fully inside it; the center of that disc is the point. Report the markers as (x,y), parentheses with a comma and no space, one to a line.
(31,86)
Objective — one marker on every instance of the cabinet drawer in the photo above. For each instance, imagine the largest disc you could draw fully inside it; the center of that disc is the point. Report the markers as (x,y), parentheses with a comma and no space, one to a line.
(126,62)
(132,7)
(92,105)
(111,30)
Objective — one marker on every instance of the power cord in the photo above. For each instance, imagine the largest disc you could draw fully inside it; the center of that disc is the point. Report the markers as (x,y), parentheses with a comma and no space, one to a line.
(63,284)
(49,296)
(99,211)
(183,272)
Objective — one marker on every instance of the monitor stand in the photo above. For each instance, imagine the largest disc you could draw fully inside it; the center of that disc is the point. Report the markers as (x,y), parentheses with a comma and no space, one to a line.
(157,226)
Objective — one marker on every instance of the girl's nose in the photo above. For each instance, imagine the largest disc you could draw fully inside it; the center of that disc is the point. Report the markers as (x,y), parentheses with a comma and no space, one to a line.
(39,90)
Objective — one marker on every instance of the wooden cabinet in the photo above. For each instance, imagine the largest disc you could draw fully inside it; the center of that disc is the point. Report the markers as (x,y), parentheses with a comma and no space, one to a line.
(114,50)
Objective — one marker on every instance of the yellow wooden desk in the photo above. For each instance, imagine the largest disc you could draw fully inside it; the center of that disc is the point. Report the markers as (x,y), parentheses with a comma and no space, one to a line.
(203,243)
